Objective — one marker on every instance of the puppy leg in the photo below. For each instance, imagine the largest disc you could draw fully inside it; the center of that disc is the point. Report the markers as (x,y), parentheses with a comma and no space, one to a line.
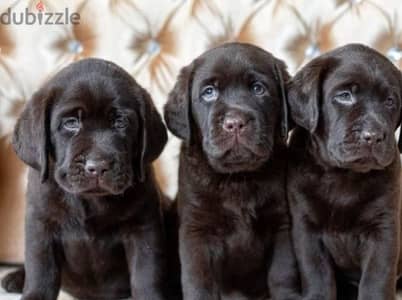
(42,278)
(197,270)
(317,274)
(378,281)
(145,254)
(14,282)
(283,275)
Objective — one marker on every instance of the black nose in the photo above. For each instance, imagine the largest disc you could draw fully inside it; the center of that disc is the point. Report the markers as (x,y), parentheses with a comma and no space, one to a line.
(235,123)
(372,137)
(96,167)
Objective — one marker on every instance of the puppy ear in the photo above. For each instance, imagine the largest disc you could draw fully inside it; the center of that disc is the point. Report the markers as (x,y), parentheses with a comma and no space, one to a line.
(304,93)
(31,139)
(178,107)
(400,120)
(282,77)
(153,134)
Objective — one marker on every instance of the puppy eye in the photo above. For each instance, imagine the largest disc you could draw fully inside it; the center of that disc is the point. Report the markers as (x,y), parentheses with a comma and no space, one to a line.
(258,88)
(120,122)
(210,93)
(390,102)
(71,124)
(344,97)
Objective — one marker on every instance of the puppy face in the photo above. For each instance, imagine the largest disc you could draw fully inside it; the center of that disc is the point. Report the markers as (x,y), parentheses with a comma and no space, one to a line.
(231,102)
(98,130)
(94,132)
(352,105)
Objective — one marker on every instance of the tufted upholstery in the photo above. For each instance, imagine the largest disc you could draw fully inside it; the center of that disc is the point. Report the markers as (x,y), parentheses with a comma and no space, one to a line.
(152,39)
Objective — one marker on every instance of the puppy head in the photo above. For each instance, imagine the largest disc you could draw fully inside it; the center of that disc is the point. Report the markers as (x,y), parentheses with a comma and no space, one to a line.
(230,101)
(350,101)
(92,128)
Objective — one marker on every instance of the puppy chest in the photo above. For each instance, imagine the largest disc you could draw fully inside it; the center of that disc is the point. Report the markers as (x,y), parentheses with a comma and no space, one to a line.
(340,207)
(241,244)
(87,254)
(244,234)
(97,248)
(97,265)
(243,255)
(244,265)
(346,251)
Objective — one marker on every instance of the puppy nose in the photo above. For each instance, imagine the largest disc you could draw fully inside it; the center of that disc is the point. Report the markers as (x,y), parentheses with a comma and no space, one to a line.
(96,167)
(234,123)
(373,137)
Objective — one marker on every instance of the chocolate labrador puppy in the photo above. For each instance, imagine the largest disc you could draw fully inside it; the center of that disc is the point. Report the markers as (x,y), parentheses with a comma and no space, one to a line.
(344,174)
(228,107)
(94,211)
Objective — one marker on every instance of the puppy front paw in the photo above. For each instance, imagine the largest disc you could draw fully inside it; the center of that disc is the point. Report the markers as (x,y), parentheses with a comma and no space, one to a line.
(38,296)
(14,282)
(31,297)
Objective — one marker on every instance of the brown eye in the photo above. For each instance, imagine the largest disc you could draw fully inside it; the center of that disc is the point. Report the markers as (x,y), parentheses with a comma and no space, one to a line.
(390,102)
(210,93)
(258,88)
(71,124)
(120,122)
(344,97)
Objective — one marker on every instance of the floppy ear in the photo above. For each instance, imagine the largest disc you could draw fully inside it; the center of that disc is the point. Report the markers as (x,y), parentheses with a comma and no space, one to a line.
(178,107)
(400,119)
(282,77)
(304,93)
(31,139)
(153,134)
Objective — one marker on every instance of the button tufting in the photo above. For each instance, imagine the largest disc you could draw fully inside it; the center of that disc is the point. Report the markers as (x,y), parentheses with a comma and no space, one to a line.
(394,54)
(312,51)
(153,47)
(75,46)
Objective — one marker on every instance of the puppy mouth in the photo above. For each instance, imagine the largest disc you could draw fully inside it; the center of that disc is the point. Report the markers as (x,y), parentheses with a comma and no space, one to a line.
(236,157)
(236,148)
(98,192)
(76,182)
(362,158)
(231,166)
(99,189)
(364,164)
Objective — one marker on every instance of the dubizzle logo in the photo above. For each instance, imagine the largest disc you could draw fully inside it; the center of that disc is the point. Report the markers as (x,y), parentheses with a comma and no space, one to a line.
(42,17)
(40,6)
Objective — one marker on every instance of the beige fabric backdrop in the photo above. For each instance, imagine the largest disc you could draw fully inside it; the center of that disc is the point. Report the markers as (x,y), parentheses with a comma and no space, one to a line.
(152,39)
